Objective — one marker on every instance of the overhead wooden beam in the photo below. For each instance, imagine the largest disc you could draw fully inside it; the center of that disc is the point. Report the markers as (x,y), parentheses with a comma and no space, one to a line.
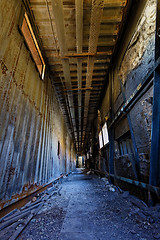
(107,4)
(94,54)
(83,74)
(55,62)
(57,8)
(101,67)
(78,55)
(103,32)
(96,16)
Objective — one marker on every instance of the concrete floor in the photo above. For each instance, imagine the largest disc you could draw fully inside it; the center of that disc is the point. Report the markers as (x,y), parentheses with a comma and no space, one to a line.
(90,209)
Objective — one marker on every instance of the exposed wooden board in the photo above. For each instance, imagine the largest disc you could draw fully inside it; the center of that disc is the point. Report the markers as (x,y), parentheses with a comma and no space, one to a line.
(96,17)
(76,69)
(107,4)
(103,43)
(52,53)
(103,32)
(73,62)
(57,8)
(83,74)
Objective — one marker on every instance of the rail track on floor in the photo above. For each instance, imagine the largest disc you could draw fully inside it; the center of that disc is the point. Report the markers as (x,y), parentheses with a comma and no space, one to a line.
(14,222)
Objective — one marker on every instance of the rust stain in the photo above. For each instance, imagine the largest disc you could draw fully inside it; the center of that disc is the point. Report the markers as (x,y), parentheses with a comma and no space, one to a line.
(20,87)
(3,67)
(10,30)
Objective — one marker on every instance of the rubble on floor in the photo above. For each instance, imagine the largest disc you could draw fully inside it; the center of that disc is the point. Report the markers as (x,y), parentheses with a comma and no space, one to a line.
(88,207)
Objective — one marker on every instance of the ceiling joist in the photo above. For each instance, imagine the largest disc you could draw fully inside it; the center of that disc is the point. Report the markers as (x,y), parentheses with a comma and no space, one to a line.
(57,8)
(96,16)
(78,40)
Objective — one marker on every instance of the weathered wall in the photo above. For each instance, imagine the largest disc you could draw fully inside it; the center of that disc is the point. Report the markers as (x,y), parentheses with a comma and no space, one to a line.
(31,123)
(135,64)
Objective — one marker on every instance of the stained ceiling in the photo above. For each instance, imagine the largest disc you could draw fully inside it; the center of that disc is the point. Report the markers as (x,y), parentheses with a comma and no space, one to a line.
(78,40)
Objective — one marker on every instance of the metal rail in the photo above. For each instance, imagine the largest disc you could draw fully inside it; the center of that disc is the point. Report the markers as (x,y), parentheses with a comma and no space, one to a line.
(24,199)
(139,184)
(143,185)
(13,223)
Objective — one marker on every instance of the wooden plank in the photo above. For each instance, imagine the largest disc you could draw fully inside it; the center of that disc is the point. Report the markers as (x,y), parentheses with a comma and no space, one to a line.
(51,53)
(76,69)
(57,8)
(96,17)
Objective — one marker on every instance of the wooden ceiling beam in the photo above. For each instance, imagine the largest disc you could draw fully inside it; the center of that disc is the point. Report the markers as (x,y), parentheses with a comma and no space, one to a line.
(77,55)
(103,32)
(57,9)
(83,74)
(101,67)
(74,62)
(87,5)
(96,16)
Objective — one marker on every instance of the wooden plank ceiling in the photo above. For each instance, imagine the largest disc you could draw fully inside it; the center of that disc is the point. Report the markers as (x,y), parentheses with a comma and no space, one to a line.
(78,39)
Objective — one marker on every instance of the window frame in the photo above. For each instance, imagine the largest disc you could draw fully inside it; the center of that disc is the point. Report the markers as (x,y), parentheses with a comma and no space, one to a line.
(24,17)
(102,136)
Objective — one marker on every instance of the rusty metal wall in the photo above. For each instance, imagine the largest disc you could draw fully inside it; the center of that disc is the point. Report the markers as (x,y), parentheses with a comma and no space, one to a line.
(31,123)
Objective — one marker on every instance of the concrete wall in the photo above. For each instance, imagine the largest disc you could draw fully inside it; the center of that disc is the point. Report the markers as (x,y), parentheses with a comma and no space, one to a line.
(31,123)
(132,65)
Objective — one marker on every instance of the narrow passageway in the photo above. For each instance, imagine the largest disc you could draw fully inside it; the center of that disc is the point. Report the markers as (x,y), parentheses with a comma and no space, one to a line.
(89,208)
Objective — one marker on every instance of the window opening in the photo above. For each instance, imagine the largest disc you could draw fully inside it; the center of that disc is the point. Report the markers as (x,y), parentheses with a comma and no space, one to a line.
(105,134)
(32,44)
(100,139)
(125,144)
(58,150)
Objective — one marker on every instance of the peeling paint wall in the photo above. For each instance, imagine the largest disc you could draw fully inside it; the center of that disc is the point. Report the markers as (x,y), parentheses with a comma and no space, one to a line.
(137,61)
(31,123)
(139,55)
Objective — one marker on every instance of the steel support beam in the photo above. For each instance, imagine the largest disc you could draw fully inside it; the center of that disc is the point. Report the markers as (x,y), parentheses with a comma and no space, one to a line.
(111,129)
(143,185)
(135,164)
(155,138)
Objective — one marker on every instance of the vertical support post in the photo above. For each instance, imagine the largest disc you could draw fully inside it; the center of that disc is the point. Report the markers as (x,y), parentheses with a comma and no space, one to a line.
(136,165)
(155,139)
(111,130)
(154,178)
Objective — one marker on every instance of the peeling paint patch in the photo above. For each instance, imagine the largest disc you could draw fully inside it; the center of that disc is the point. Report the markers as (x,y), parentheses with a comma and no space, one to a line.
(142,41)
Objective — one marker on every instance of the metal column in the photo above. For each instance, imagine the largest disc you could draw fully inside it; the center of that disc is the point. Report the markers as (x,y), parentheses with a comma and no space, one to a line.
(111,129)
(155,144)
(155,138)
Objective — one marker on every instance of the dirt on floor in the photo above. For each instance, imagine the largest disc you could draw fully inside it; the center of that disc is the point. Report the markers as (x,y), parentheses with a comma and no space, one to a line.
(89,207)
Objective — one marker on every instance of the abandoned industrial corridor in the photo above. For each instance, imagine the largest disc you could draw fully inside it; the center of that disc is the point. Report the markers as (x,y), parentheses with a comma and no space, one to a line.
(79,119)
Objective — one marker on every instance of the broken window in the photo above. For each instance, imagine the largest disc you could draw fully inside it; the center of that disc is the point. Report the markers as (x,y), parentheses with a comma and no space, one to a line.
(125,145)
(105,134)
(100,139)
(32,44)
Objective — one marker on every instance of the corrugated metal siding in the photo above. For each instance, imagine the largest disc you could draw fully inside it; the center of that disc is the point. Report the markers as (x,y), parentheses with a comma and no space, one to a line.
(31,123)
